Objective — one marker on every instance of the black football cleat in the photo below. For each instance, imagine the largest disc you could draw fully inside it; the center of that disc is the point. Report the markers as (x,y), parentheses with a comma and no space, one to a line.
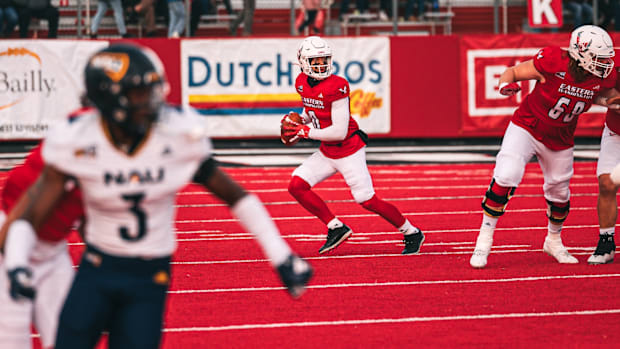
(335,237)
(605,250)
(413,242)
(295,273)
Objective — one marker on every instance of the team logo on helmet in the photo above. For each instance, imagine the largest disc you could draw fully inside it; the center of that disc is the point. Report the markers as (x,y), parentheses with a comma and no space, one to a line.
(580,45)
(113,64)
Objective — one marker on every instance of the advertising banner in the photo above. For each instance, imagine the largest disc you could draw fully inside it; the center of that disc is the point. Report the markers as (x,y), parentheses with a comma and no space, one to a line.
(485,59)
(245,86)
(40,83)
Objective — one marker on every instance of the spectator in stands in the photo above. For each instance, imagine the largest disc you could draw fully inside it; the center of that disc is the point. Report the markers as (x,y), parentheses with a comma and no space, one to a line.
(581,12)
(8,14)
(199,7)
(146,8)
(362,7)
(246,16)
(609,10)
(43,9)
(312,8)
(385,10)
(421,4)
(227,5)
(176,25)
(102,8)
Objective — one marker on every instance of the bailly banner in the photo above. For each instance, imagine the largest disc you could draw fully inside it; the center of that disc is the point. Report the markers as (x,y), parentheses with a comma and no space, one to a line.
(40,84)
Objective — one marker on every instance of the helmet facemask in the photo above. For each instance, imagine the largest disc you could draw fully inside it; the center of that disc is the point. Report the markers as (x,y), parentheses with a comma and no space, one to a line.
(319,67)
(141,107)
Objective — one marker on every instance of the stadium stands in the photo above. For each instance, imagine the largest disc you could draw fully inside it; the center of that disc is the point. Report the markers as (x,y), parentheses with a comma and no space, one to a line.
(272,18)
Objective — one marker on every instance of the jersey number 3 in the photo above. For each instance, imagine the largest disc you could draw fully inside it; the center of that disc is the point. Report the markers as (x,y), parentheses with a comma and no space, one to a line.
(134,200)
(561,108)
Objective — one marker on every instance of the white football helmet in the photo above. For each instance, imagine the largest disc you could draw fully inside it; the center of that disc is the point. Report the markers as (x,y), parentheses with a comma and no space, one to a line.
(313,47)
(593,49)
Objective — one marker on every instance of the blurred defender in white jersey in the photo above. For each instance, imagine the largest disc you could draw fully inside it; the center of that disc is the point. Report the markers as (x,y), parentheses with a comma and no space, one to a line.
(130,157)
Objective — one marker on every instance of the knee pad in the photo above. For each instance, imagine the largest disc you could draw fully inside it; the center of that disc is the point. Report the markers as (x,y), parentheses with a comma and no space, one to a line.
(557,211)
(297,186)
(496,198)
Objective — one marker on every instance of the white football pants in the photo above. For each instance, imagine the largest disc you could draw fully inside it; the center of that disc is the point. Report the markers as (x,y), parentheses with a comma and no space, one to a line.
(609,156)
(353,169)
(518,148)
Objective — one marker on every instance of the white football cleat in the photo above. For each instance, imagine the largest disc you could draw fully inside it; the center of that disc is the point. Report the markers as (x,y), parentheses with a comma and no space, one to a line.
(556,249)
(481,251)
(602,258)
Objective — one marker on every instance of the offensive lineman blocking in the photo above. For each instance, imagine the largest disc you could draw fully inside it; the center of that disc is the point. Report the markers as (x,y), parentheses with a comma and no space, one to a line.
(544,125)
(343,148)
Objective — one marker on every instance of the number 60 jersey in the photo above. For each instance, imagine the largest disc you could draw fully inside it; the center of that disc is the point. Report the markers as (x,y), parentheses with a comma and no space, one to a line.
(129,199)
(551,110)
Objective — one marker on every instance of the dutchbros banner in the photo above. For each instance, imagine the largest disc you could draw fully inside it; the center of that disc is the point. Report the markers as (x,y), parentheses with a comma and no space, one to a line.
(245,86)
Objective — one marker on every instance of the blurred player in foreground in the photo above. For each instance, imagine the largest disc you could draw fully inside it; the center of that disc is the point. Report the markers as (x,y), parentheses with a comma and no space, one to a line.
(568,82)
(607,205)
(343,148)
(49,266)
(130,156)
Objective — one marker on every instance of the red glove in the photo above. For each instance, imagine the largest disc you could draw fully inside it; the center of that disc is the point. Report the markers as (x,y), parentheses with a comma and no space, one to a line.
(296,131)
(284,118)
(509,89)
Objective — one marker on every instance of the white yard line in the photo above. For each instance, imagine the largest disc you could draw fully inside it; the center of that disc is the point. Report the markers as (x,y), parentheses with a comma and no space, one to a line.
(392,321)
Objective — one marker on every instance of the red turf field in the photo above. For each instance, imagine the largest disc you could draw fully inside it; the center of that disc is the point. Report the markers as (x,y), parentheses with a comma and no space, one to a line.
(365,294)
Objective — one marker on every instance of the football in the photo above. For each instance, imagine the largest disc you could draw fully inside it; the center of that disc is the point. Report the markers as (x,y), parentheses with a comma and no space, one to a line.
(292,116)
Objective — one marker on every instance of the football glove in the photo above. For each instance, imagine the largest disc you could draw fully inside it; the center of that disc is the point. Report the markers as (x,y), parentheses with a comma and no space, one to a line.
(20,279)
(295,273)
(284,118)
(296,131)
(509,89)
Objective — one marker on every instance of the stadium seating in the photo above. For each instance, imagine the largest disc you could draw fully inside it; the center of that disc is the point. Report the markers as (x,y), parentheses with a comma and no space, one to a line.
(460,18)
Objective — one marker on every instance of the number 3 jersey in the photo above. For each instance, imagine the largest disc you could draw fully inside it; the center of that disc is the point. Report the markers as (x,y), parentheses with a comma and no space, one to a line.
(129,199)
(551,110)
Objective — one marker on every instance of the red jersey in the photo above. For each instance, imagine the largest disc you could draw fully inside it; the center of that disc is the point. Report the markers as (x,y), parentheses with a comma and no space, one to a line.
(68,210)
(612,119)
(318,103)
(551,110)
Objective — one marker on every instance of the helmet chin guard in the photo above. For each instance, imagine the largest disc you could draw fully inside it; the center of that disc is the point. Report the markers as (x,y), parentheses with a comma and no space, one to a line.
(315,47)
(593,50)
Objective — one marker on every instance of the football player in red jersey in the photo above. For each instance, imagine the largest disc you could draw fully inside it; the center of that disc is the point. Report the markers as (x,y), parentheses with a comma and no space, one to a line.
(325,98)
(607,205)
(51,268)
(568,82)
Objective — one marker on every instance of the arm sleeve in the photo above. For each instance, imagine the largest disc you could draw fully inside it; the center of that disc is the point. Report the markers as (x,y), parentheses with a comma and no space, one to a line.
(20,241)
(337,131)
